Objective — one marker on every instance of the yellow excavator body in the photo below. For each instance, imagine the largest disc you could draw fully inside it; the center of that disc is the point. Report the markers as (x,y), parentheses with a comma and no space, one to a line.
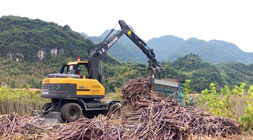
(68,85)
(83,86)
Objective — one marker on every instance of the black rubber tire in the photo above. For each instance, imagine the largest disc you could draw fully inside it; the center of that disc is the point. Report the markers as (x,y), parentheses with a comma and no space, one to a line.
(45,108)
(115,109)
(60,120)
(70,112)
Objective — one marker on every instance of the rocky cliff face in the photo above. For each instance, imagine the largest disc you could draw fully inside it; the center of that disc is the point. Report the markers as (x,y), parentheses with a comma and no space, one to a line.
(36,40)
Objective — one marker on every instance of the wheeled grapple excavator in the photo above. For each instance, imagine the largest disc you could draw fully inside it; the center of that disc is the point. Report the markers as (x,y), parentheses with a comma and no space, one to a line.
(74,94)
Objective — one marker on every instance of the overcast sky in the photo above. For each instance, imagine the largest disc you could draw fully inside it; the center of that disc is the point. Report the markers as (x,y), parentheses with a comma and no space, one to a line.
(228,20)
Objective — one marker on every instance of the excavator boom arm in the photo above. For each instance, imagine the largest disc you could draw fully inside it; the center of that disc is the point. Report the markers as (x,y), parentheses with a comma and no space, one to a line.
(154,68)
(97,54)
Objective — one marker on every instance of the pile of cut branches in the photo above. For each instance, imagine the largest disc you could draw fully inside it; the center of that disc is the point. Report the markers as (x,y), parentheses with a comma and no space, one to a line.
(13,126)
(156,118)
(100,128)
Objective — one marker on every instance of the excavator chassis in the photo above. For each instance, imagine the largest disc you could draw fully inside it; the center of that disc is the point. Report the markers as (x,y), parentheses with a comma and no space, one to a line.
(68,110)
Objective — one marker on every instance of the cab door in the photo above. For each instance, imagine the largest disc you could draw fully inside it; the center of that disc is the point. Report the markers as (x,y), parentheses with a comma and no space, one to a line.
(84,84)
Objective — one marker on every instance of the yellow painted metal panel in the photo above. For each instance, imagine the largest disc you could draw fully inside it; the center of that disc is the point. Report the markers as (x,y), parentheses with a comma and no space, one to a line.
(77,62)
(84,86)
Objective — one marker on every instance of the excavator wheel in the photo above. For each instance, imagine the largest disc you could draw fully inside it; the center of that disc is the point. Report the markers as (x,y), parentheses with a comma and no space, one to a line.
(114,109)
(70,112)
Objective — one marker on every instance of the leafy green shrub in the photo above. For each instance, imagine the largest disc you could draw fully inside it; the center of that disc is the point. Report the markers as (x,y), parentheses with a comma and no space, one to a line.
(187,91)
(247,119)
(220,104)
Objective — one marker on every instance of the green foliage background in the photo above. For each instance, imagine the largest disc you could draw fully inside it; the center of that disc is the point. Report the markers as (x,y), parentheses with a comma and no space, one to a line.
(23,38)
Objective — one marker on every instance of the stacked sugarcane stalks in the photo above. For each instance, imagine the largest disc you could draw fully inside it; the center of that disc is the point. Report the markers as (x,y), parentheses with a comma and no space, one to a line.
(156,118)
(150,118)
(100,128)
(13,126)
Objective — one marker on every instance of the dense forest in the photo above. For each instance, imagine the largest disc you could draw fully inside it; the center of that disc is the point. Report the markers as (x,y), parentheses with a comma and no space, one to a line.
(30,49)
(35,40)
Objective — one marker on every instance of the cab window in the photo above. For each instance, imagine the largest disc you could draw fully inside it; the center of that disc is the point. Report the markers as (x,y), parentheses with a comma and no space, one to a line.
(69,69)
(82,70)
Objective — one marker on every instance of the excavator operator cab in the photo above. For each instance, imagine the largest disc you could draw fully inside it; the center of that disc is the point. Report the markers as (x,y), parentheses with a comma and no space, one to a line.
(77,68)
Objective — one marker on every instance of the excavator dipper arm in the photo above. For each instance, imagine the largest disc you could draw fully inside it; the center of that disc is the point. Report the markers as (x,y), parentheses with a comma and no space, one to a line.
(154,69)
